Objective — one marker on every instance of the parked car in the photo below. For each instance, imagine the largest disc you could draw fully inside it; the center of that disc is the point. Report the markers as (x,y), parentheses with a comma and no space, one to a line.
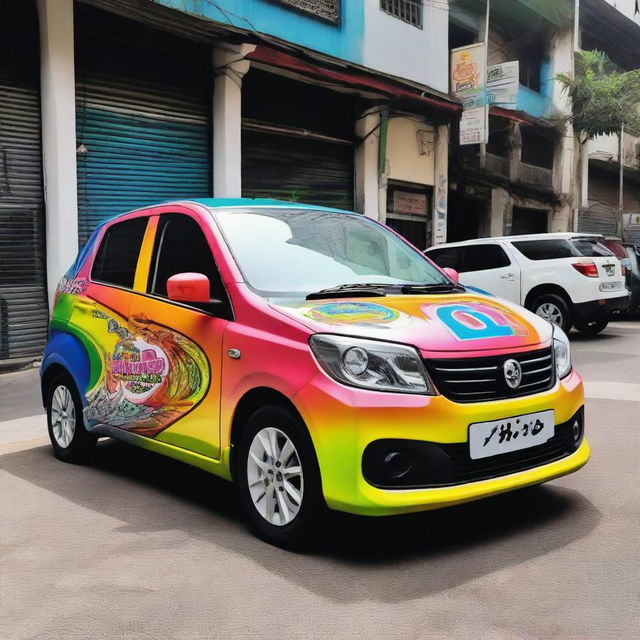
(310,355)
(568,278)
(629,258)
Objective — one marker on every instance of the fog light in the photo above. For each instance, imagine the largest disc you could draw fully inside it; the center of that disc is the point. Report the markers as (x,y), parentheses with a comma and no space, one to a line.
(576,430)
(397,464)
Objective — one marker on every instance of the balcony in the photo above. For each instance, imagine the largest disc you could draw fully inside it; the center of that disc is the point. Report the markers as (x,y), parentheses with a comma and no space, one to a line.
(538,176)
(498,164)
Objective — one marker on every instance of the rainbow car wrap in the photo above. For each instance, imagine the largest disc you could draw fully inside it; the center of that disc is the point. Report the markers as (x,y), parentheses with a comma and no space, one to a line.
(161,375)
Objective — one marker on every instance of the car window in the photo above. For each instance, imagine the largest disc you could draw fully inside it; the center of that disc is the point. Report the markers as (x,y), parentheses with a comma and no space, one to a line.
(446,257)
(117,255)
(616,248)
(591,248)
(546,249)
(181,247)
(480,257)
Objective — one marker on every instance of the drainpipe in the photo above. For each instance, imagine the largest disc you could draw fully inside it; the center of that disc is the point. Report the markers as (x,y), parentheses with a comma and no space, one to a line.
(383,173)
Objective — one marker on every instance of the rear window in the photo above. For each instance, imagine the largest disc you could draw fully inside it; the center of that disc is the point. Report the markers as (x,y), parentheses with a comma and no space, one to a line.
(616,248)
(546,249)
(446,257)
(117,256)
(591,248)
(481,257)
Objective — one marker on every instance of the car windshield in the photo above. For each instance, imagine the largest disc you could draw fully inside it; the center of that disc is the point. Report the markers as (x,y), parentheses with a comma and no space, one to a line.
(298,251)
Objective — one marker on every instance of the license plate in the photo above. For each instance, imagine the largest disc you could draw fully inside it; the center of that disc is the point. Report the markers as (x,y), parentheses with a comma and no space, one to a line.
(610,286)
(510,434)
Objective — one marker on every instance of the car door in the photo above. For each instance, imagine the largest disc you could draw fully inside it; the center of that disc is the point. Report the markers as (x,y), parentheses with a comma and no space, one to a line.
(487,266)
(177,345)
(99,298)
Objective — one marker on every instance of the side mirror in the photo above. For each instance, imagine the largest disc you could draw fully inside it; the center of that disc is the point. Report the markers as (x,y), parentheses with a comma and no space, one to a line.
(189,287)
(452,273)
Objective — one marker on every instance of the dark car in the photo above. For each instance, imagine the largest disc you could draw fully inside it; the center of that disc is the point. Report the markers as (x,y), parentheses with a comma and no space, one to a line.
(630,260)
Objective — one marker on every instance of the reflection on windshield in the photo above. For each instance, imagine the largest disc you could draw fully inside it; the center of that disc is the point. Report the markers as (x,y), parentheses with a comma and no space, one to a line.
(301,250)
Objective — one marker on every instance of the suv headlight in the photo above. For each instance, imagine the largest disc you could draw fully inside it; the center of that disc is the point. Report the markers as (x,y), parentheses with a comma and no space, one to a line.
(562,352)
(370,364)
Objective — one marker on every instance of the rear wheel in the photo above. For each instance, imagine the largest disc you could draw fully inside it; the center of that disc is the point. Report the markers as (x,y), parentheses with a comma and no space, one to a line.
(591,327)
(554,308)
(278,478)
(70,440)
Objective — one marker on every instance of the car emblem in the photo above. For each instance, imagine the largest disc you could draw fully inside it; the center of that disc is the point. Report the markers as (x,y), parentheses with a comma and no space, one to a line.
(512,373)
(609,268)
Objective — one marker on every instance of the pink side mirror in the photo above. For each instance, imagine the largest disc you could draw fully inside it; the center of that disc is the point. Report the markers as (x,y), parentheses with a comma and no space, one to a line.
(189,287)
(452,273)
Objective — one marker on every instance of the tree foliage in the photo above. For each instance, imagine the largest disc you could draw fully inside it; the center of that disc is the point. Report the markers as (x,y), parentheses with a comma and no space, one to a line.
(603,98)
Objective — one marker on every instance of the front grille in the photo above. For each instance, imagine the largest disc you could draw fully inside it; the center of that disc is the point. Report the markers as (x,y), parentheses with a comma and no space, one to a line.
(482,379)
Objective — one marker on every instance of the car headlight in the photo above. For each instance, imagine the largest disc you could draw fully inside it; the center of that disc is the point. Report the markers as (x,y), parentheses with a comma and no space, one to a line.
(562,352)
(370,364)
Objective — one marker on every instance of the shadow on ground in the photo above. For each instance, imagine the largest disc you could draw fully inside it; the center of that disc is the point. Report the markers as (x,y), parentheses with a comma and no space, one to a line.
(419,553)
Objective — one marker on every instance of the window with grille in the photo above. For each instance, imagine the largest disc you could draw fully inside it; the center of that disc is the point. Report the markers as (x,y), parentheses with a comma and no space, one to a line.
(408,10)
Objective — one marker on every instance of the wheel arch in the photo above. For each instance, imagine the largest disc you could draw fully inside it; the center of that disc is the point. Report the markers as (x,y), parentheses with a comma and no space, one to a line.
(248,404)
(541,289)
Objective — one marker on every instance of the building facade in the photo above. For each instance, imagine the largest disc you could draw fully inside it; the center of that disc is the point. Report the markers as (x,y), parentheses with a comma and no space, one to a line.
(109,105)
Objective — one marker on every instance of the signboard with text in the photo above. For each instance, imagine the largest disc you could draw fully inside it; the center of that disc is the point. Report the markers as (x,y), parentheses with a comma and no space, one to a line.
(468,84)
(502,83)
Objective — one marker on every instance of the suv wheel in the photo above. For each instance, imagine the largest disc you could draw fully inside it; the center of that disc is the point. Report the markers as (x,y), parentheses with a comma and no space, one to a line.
(552,307)
(70,440)
(278,478)
(592,327)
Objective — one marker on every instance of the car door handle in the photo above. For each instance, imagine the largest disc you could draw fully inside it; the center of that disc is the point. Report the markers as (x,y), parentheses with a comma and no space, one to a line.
(507,275)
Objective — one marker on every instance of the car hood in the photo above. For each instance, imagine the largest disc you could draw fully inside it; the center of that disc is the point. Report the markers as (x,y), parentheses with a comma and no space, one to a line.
(452,322)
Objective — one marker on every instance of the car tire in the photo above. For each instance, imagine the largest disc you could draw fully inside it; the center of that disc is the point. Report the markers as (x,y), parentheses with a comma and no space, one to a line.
(282,506)
(554,308)
(70,440)
(591,327)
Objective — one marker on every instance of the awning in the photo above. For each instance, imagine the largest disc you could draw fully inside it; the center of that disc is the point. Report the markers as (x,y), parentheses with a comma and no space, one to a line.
(351,78)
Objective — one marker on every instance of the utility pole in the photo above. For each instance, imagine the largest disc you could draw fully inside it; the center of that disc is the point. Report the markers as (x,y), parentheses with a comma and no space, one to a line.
(621,182)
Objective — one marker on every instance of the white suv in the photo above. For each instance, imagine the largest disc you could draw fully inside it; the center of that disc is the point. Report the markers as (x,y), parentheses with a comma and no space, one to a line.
(568,278)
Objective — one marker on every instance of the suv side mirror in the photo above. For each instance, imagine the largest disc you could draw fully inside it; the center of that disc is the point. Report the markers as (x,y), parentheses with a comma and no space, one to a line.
(189,287)
(452,273)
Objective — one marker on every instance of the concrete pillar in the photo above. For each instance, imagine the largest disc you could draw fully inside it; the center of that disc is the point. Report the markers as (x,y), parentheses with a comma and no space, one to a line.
(58,97)
(230,67)
(441,188)
(515,150)
(366,163)
(501,211)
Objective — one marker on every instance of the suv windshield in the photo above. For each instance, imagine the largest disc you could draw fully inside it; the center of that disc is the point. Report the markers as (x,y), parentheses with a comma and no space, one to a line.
(297,251)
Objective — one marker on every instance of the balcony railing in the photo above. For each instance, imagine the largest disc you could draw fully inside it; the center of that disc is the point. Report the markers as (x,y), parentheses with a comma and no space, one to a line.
(498,164)
(539,176)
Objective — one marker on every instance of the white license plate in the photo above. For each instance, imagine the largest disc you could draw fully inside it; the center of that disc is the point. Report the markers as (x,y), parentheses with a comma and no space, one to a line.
(610,286)
(510,434)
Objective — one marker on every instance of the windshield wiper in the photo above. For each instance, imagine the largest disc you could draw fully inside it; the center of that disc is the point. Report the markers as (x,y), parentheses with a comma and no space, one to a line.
(361,290)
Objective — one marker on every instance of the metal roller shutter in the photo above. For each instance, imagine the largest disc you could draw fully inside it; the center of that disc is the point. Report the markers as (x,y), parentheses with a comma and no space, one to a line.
(299,170)
(297,144)
(23,297)
(590,221)
(143,117)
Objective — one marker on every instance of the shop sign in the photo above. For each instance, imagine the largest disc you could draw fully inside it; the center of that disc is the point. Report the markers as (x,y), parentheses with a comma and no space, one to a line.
(473,126)
(502,83)
(468,84)
(410,203)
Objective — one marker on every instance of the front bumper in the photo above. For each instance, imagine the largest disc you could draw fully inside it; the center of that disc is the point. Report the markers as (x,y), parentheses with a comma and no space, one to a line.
(343,421)
(601,309)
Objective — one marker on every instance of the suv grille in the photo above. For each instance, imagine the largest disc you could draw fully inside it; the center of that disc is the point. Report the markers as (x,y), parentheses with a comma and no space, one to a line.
(482,379)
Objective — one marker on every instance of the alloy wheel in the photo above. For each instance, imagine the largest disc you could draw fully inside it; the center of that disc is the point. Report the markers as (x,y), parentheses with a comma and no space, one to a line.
(275,476)
(63,416)
(551,312)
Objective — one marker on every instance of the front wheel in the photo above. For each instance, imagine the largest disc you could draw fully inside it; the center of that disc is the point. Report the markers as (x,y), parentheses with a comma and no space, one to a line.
(552,307)
(278,478)
(70,440)
(592,327)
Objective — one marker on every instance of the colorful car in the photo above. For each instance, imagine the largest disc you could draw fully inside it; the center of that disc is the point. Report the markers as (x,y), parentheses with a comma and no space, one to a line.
(310,355)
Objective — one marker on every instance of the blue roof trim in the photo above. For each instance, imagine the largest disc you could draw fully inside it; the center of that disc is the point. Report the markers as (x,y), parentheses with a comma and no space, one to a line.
(215,203)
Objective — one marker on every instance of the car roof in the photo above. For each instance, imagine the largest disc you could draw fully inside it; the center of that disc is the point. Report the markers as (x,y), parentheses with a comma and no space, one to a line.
(558,235)
(218,203)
